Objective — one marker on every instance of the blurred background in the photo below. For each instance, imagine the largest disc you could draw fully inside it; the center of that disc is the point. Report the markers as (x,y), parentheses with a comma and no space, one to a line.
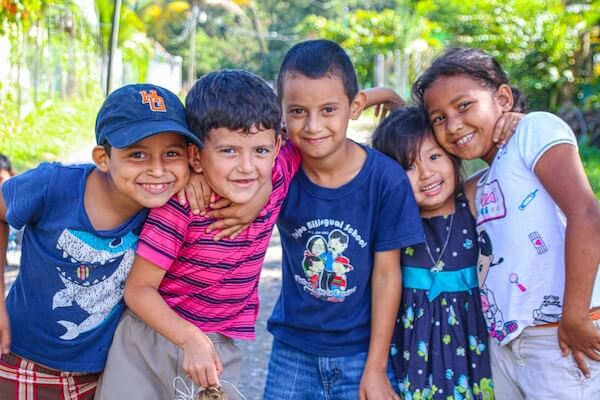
(59,58)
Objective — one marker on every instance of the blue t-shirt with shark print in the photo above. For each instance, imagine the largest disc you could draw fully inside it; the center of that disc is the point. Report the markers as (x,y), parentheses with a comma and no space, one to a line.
(66,301)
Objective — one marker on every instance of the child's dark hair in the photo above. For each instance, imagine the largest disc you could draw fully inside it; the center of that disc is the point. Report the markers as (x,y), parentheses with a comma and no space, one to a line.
(401,135)
(233,99)
(5,163)
(474,63)
(316,59)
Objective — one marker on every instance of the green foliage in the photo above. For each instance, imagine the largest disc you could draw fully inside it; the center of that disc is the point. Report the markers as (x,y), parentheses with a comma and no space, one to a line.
(366,33)
(539,42)
(46,133)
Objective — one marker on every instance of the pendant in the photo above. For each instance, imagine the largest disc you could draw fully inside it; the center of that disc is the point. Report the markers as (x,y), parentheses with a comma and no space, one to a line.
(438,267)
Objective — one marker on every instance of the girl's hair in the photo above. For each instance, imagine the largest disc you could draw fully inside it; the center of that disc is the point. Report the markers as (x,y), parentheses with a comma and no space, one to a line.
(474,63)
(401,135)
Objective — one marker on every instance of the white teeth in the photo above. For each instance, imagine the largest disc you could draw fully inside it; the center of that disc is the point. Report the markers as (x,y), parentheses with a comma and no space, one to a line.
(464,139)
(431,187)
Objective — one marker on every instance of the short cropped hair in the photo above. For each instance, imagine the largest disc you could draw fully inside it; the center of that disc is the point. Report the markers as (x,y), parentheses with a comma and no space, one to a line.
(316,59)
(5,163)
(233,99)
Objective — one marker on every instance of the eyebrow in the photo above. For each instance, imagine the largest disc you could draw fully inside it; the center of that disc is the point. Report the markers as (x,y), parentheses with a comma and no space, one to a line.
(452,101)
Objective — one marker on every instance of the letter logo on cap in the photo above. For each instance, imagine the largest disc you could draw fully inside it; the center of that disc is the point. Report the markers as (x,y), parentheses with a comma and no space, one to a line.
(156,102)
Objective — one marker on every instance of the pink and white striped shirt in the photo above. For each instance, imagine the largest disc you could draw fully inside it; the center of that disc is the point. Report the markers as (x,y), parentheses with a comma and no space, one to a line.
(214,285)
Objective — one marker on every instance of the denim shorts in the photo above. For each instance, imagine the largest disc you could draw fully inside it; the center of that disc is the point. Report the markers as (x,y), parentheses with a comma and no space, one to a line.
(294,374)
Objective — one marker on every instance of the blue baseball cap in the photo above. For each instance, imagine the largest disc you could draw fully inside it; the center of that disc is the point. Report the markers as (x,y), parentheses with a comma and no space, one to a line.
(135,112)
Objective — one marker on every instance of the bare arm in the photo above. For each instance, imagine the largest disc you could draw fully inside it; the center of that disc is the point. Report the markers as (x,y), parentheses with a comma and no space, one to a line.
(386,286)
(234,218)
(200,360)
(5,334)
(384,99)
(562,174)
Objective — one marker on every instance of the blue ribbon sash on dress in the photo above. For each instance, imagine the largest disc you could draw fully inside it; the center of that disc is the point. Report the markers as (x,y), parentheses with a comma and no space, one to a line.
(462,280)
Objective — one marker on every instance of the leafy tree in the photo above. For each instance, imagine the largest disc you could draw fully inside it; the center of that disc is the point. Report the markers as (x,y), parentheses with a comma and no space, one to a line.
(539,42)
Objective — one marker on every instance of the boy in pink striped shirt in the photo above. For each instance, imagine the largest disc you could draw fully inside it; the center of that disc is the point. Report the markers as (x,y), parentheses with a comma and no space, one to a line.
(190,296)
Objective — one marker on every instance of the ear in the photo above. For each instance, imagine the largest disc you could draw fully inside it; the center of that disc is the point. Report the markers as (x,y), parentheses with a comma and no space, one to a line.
(504,97)
(194,158)
(101,158)
(278,143)
(358,105)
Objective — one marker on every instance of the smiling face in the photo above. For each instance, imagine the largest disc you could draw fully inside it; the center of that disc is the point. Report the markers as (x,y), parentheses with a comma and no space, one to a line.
(463,113)
(148,173)
(432,176)
(236,164)
(317,112)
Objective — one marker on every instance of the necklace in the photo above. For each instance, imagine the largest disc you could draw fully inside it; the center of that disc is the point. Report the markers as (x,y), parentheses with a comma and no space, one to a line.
(438,264)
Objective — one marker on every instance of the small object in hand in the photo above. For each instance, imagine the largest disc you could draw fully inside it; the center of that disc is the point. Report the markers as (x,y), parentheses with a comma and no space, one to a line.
(212,393)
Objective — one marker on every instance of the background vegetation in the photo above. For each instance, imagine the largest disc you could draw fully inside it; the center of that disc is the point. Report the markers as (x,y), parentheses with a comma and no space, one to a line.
(57,55)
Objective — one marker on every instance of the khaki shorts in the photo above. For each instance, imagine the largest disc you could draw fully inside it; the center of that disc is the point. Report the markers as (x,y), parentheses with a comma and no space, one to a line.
(142,364)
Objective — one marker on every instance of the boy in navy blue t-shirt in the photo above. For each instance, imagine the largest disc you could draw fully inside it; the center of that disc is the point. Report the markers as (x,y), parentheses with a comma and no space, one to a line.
(81,226)
(347,214)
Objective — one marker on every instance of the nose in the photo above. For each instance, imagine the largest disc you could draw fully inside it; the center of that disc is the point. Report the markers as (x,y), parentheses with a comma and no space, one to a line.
(312,124)
(156,167)
(454,123)
(246,163)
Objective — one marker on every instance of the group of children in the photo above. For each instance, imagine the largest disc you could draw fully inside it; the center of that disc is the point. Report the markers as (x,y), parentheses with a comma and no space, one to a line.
(395,271)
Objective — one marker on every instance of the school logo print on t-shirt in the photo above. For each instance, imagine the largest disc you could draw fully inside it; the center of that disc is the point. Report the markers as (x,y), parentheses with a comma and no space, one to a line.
(491,202)
(327,270)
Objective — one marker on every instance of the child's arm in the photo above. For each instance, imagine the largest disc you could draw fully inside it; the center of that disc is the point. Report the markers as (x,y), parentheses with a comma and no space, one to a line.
(384,99)
(386,286)
(562,174)
(232,218)
(200,360)
(4,321)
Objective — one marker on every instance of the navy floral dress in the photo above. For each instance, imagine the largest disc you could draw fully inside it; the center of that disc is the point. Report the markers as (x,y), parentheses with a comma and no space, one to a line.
(439,348)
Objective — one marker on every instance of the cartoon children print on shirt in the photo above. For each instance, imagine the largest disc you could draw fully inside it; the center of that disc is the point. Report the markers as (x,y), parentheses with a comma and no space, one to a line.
(326,268)
(497,327)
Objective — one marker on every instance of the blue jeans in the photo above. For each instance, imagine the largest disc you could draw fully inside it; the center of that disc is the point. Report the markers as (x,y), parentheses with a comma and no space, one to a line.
(294,374)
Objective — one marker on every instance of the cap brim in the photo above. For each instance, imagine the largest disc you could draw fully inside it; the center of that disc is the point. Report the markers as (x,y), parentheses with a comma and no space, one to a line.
(129,135)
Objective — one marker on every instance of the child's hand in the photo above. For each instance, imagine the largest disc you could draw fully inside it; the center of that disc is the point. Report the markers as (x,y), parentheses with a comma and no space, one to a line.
(375,385)
(582,338)
(234,218)
(201,361)
(197,192)
(384,99)
(505,127)
(4,331)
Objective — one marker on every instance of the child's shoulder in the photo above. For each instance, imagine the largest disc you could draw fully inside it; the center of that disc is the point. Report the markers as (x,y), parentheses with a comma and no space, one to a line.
(543,119)
(385,166)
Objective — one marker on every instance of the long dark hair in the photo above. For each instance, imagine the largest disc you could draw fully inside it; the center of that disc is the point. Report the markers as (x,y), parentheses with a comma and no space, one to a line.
(474,63)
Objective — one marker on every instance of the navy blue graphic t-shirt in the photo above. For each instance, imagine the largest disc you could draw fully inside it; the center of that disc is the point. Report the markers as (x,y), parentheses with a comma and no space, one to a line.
(329,239)
(65,303)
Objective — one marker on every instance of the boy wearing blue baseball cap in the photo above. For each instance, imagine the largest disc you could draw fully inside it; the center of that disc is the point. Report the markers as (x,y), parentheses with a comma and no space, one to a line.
(81,228)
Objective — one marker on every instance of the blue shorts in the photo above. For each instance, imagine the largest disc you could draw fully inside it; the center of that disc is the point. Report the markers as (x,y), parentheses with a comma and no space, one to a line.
(294,374)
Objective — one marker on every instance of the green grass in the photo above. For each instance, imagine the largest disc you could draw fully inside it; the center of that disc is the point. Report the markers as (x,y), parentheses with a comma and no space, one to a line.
(46,133)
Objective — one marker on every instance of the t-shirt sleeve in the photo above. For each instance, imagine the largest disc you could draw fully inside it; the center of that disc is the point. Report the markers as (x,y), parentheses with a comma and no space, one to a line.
(539,131)
(25,195)
(164,234)
(287,163)
(398,222)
